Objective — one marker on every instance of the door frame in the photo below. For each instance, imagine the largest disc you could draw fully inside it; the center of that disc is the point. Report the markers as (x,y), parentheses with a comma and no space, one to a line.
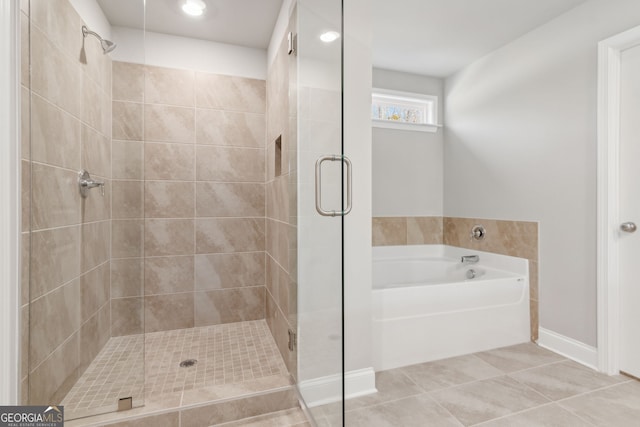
(608,187)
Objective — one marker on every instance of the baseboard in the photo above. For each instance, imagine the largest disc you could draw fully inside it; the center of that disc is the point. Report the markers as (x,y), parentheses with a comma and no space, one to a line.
(324,390)
(569,348)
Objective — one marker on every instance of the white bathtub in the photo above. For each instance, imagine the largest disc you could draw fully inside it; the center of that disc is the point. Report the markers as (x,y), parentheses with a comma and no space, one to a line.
(424,307)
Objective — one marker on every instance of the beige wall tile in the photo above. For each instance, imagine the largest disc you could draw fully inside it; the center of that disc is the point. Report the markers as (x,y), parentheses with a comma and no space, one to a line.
(230,199)
(25,249)
(128,82)
(94,290)
(107,111)
(60,22)
(169,86)
(55,76)
(24,47)
(127,316)
(127,277)
(25,194)
(96,153)
(54,318)
(279,328)
(127,121)
(168,275)
(93,335)
(219,271)
(55,135)
(229,164)
(164,199)
(277,241)
(219,127)
(223,235)
(168,123)
(49,382)
(168,237)
(535,323)
(55,197)
(91,108)
(94,244)
(230,93)
(55,258)
(169,162)
(278,199)
(424,230)
(514,238)
(389,231)
(127,238)
(167,312)
(128,160)
(533,280)
(229,305)
(97,207)
(128,199)
(25,122)
(24,341)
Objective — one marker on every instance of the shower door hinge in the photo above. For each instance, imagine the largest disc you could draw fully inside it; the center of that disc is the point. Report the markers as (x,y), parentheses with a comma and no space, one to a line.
(293,340)
(292,40)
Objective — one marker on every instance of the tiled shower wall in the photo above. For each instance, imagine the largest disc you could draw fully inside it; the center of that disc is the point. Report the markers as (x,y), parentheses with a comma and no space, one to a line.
(188,199)
(513,238)
(65,290)
(281,198)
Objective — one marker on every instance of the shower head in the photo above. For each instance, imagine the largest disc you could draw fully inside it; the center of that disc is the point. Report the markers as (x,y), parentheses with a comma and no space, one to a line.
(107,45)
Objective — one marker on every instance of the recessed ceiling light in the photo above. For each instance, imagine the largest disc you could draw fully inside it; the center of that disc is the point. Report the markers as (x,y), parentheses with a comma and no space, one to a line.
(329,36)
(194,7)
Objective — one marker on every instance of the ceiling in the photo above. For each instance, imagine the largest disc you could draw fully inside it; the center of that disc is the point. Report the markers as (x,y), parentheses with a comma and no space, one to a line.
(429,37)
(439,37)
(246,23)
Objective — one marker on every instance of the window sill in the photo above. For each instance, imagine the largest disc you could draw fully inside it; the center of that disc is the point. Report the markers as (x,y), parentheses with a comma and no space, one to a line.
(388,124)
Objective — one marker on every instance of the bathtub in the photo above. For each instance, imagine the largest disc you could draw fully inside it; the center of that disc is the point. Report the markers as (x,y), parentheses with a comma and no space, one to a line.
(426,308)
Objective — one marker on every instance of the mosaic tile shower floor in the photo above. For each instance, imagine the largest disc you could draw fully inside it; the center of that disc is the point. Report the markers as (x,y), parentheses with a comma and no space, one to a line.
(226,354)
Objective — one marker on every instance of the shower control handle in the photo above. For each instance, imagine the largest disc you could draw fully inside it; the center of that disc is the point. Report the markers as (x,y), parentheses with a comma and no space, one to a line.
(628,227)
(85,182)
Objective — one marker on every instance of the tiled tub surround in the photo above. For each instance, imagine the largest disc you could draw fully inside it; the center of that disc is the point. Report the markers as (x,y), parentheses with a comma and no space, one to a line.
(188,199)
(234,353)
(522,385)
(65,289)
(513,238)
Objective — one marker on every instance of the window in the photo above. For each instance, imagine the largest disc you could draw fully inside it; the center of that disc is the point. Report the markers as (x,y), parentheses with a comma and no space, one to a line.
(402,110)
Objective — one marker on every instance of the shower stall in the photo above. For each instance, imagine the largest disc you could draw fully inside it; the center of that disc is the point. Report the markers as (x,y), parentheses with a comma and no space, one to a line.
(170,233)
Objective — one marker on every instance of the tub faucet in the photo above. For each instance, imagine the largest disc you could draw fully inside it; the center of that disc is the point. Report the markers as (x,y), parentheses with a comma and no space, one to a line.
(469,259)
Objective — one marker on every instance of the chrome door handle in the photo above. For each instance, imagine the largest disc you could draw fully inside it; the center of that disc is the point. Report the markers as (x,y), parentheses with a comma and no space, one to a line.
(628,227)
(333,158)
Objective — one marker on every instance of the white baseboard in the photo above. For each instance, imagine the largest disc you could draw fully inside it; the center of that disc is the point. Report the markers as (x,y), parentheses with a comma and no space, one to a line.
(324,390)
(569,348)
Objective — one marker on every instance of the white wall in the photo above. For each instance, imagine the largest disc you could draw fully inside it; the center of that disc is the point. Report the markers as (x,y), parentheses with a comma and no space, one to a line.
(164,50)
(91,13)
(407,165)
(521,144)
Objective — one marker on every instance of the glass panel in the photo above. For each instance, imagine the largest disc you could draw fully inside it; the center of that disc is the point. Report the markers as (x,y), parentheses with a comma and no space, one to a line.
(320,368)
(84,294)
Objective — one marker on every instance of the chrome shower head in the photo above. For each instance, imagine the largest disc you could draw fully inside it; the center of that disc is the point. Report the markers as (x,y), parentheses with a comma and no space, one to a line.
(107,45)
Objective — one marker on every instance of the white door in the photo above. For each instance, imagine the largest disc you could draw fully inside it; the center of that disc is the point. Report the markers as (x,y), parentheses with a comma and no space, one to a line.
(629,239)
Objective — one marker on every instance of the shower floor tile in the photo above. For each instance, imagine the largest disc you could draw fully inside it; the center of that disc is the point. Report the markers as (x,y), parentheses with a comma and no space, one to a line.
(226,354)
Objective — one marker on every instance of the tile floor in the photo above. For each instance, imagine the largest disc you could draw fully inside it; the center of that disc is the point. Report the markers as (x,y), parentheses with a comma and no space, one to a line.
(523,385)
(227,354)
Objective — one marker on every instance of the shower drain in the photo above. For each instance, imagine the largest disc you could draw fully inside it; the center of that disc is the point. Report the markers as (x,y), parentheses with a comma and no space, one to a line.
(188,363)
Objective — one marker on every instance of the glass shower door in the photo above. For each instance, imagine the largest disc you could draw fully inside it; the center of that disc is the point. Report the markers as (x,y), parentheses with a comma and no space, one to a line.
(322,173)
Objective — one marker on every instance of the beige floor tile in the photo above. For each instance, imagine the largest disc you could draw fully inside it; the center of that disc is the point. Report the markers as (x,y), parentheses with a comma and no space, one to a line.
(617,406)
(417,411)
(286,418)
(519,357)
(561,380)
(488,399)
(450,372)
(544,416)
